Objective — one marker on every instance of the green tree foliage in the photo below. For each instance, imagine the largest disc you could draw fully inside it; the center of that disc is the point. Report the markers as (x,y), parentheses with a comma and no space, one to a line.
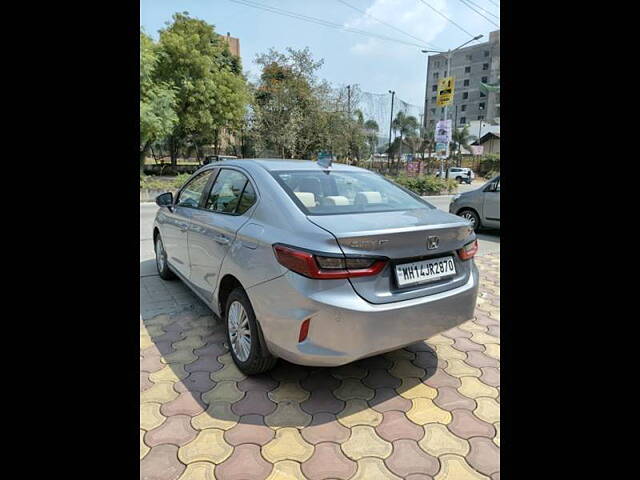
(211,93)
(460,139)
(406,125)
(157,99)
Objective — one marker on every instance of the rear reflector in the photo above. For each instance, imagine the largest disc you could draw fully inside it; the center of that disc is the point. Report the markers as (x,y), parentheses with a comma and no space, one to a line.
(304,330)
(324,267)
(468,251)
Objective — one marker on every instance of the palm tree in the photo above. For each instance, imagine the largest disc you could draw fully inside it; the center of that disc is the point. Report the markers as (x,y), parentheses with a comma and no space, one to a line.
(371,129)
(406,125)
(461,138)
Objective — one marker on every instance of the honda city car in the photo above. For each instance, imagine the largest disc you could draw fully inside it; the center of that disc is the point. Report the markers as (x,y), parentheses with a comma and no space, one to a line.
(316,264)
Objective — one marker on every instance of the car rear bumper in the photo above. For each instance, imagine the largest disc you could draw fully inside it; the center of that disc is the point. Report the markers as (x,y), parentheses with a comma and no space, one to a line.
(343,326)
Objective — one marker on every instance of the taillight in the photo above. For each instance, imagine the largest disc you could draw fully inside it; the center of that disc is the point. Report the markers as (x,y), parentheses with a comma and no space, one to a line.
(468,251)
(323,267)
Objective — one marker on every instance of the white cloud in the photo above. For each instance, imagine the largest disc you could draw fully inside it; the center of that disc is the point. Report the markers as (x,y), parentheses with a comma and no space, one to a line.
(411,16)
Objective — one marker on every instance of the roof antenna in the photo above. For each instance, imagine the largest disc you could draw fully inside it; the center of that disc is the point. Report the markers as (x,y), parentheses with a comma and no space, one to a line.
(325,160)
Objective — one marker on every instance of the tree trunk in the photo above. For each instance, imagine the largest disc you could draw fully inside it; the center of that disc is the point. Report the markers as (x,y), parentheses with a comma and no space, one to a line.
(173,151)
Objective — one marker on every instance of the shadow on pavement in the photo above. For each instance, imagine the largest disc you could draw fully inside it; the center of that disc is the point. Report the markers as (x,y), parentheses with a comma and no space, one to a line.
(191,348)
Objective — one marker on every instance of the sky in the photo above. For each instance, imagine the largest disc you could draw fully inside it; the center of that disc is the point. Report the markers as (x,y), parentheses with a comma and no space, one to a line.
(376,65)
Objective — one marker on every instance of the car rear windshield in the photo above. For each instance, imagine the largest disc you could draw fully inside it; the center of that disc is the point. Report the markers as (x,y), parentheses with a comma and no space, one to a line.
(336,192)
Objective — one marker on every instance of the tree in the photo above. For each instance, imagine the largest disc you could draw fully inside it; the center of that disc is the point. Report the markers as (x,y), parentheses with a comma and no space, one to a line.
(406,125)
(157,100)
(211,93)
(371,128)
(461,138)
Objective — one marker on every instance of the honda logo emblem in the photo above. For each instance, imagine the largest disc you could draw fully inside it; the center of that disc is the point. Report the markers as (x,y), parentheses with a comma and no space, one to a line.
(433,243)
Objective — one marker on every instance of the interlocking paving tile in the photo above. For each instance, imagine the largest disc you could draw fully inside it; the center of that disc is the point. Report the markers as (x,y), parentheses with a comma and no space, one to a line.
(226,391)
(494,330)
(429,361)
(404,369)
(161,463)
(466,425)
(287,372)
(408,458)
(466,345)
(180,356)
(496,439)
(400,354)
(377,361)
(189,343)
(493,350)
(351,370)
(488,410)
(143,447)
(418,476)
(217,415)
(208,446)
(249,429)
(395,426)
(457,332)
(353,388)
(150,416)
(373,468)
(471,326)
(440,340)
(449,398)
(357,412)
(199,382)
(484,455)
(151,364)
(204,363)
(485,339)
(199,471)
(289,391)
(286,470)
(447,352)
(364,442)
(485,320)
(159,393)
(380,377)
(453,467)
(187,403)
(328,461)
(257,383)
(169,374)
(244,459)
(473,388)
(325,428)
(254,402)
(414,388)
(177,430)
(480,360)
(288,444)
(145,383)
(322,400)
(213,346)
(458,368)
(438,440)
(229,372)
(425,411)
(387,399)
(288,414)
(319,379)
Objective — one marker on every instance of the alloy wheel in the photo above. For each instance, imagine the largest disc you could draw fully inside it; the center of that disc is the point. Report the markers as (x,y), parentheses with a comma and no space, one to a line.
(160,255)
(239,331)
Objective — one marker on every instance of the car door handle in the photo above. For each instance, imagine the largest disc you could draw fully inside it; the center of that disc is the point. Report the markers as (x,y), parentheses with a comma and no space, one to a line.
(222,240)
(183,227)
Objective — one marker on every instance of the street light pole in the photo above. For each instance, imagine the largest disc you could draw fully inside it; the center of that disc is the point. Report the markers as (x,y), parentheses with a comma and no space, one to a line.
(390,124)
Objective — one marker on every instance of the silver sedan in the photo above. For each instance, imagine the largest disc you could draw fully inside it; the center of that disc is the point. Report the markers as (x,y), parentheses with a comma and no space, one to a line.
(318,265)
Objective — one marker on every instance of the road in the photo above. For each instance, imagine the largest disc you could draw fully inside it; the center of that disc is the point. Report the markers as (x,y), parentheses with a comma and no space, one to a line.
(489,241)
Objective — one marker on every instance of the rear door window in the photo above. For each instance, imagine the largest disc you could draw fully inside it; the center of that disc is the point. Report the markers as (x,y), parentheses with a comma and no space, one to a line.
(228,193)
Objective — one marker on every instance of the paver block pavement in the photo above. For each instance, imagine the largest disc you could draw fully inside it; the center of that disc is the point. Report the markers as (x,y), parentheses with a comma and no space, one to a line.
(428,411)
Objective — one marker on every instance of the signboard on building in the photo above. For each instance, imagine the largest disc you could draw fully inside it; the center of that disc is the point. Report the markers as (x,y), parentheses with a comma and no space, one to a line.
(443,131)
(441,149)
(446,87)
(477,149)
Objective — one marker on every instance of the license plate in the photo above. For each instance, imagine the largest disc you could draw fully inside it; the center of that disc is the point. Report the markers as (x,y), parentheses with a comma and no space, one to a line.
(425,271)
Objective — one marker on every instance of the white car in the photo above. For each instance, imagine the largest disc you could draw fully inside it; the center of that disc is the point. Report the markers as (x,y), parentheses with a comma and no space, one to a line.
(460,174)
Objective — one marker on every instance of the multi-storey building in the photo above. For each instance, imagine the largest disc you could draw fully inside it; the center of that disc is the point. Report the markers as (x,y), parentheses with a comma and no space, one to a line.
(470,66)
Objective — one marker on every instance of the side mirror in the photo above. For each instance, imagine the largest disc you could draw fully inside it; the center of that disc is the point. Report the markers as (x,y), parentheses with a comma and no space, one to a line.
(491,187)
(165,199)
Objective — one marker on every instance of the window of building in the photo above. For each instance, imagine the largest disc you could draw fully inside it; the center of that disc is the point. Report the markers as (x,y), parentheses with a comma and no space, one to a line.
(465,95)
(485,66)
(442,110)
(486,53)
(435,74)
(463,108)
(463,120)
(466,83)
(436,64)
(480,117)
(468,57)
(481,106)
(484,79)
(467,69)
(434,88)
(482,94)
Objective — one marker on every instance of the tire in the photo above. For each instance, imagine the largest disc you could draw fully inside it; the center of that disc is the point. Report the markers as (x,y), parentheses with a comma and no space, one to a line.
(472,217)
(459,180)
(251,359)
(161,260)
